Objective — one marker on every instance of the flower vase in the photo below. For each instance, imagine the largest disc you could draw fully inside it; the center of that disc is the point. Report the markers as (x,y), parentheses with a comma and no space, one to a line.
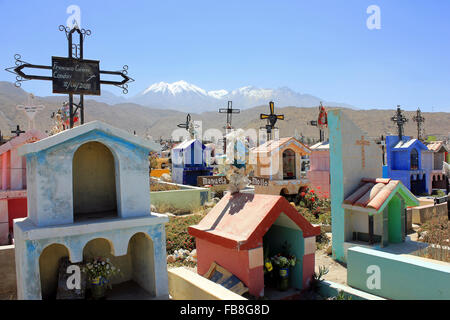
(98,288)
(283,279)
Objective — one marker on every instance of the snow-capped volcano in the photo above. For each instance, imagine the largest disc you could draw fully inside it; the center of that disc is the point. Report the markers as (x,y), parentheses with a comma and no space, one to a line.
(187,97)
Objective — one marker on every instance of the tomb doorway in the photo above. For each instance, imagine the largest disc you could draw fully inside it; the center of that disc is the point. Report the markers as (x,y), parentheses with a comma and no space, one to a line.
(418,186)
(284,237)
(289,165)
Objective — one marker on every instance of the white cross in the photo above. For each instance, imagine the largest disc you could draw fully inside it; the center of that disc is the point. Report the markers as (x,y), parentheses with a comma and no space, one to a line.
(30,110)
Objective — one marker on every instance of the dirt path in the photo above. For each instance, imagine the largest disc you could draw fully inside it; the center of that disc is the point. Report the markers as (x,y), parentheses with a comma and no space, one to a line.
(337,272)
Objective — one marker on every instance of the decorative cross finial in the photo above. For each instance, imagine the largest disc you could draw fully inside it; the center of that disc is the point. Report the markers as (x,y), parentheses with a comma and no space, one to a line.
(399,119)
(229,111)
(271,119)
(363,143)
(419,119)
(18,131)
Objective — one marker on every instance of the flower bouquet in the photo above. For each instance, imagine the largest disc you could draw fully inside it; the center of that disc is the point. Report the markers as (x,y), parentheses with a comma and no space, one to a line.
(99,272)
(283,265)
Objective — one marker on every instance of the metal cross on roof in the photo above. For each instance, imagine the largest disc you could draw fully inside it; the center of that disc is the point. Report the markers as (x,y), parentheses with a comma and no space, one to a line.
(399,119)
(186,124)
(229,111)
(321,122)
(419,119)
(271,119)
(72,75)
(18,131)
(189,126)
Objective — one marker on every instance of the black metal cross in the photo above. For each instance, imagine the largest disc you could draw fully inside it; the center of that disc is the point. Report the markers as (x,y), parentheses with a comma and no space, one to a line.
(229,111)
(399,119)
(185,125)
(419,119)
(18,131)
(271,119)
(87,80)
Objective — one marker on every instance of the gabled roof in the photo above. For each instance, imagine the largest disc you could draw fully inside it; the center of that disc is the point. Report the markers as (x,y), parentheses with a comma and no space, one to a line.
(241,220)
(374,194)
(65,135)
(186,144)
(436,146)
(23,138)
(324,145)
(275,145)
(405,145)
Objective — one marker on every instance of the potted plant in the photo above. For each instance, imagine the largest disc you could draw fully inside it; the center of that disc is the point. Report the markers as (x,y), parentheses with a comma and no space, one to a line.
(99,272)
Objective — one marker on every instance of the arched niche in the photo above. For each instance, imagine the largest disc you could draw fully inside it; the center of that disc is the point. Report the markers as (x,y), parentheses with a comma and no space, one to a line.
(289,164)
(49,268)
(141,251)
(94,182)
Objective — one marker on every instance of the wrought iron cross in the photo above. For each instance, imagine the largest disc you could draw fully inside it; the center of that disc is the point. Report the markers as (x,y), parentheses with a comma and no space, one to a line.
(72,63)
(189,126)
(18,131)
(229,111)
(419,119)
(399,119)
(271,119)
(363,143)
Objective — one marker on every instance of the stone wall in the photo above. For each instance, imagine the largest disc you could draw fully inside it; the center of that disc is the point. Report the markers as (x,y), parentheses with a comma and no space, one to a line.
(424,213)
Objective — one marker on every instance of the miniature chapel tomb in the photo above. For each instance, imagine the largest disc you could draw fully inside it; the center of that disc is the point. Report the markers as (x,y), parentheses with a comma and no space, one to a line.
(89,196)
(235,233)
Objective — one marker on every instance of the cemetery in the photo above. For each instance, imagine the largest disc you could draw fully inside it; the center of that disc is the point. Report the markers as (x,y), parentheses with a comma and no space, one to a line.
(89,211)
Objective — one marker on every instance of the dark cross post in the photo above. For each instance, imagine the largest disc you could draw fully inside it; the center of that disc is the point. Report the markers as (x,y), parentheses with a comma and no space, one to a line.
(1,138)
(18,131)
(399,119)
(383,143)
(84,75)
(186,124)
(419,119)
(271,120)
(229,111)
(315,123)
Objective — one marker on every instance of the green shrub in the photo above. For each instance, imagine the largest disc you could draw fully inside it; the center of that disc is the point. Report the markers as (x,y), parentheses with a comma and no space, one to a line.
(177,236)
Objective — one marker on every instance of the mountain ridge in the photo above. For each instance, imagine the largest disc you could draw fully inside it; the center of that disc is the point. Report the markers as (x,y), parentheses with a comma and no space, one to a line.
(159,121)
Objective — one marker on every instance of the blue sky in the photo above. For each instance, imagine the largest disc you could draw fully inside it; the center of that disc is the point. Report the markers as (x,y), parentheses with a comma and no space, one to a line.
(318,47)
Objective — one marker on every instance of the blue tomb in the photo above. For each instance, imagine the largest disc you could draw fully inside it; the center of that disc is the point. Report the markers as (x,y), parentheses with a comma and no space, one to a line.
(189,162)
(407,161)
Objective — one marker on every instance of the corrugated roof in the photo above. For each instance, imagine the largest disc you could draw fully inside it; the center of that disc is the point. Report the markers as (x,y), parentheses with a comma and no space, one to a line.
(241,220)
(405,144)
